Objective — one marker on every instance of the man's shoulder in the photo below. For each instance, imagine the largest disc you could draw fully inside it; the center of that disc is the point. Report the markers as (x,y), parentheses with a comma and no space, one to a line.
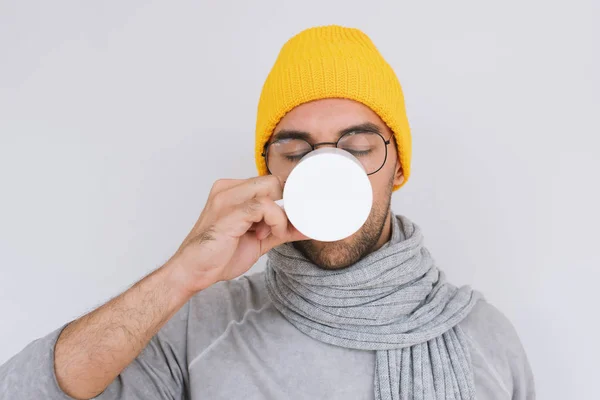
(496,347)
(490,329)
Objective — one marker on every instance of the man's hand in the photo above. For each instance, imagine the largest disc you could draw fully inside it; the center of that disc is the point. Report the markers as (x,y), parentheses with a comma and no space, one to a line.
(239,223)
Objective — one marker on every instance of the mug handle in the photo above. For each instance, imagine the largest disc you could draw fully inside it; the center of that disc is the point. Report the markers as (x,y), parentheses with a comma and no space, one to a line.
(280,203)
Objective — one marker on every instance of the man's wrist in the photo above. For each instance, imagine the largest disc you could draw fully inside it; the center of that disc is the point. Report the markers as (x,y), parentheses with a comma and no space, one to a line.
(182,281)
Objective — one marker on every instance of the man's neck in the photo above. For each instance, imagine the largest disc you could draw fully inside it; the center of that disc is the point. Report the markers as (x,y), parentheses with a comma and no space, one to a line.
(386,232)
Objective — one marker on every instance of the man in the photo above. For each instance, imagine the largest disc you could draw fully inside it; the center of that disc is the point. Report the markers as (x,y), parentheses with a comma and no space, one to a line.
(370,316)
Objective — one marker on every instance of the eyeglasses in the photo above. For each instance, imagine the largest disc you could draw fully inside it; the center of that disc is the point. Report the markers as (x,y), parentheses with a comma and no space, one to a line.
(370,148)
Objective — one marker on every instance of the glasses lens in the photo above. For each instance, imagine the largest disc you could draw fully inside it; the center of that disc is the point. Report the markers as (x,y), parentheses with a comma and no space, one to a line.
(284,154)
(368,147)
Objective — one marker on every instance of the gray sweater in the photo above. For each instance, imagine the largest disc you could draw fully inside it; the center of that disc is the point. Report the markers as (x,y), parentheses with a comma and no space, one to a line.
(229,342)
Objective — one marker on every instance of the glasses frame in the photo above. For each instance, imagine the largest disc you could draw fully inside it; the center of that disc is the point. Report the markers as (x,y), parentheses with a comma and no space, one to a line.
(316,145)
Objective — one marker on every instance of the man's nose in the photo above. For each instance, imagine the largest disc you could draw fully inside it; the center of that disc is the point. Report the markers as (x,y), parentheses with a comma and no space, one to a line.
(317,145)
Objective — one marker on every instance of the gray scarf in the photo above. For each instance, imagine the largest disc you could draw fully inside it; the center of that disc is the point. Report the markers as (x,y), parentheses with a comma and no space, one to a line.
(394,301)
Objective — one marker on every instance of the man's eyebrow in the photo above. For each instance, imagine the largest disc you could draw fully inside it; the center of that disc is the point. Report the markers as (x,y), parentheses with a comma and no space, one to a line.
(364,127)
(291,134)
(295,134)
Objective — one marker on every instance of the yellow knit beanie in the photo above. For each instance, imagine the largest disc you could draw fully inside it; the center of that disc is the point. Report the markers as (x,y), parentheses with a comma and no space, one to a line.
(332,62)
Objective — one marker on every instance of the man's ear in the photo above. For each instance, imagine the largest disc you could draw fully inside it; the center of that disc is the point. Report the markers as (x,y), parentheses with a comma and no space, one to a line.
(398,175)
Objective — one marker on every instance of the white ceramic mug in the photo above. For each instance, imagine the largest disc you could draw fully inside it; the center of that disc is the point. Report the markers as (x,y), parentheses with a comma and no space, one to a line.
(328,195)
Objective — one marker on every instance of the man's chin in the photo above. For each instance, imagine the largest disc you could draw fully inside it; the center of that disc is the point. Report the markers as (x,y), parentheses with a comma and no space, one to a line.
(343,253)
(330,255)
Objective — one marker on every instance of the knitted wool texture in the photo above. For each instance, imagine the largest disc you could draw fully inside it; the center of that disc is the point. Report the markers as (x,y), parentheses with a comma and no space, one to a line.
(394,301)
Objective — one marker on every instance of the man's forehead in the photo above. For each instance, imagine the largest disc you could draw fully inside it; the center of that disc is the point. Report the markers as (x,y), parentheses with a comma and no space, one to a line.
(328,116)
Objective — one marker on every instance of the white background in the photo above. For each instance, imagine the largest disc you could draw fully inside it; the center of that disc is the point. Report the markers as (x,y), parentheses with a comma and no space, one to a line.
(116,117)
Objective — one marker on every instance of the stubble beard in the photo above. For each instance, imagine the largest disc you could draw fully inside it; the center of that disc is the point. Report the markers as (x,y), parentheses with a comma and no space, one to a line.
(342,254)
